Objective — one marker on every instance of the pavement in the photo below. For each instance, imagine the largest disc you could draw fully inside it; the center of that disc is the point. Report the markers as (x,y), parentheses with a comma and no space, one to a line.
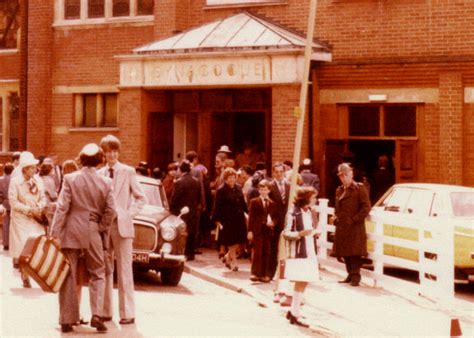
(335,309)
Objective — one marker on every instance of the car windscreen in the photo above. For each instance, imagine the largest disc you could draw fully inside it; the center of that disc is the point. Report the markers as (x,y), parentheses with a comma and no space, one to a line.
(463,203)
(152,194)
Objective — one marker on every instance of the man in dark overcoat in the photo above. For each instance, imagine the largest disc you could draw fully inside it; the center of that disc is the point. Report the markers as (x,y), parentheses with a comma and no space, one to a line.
(352,206)
(187,192)
(279,193)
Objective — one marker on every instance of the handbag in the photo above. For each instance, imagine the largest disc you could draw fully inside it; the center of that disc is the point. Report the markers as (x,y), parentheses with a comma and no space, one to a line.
(43,220)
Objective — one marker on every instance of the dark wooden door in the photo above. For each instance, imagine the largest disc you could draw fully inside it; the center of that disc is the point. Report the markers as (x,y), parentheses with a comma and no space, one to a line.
(405,161)
(160,136)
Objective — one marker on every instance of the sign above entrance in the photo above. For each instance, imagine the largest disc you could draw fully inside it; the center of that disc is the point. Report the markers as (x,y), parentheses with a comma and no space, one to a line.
(247,70)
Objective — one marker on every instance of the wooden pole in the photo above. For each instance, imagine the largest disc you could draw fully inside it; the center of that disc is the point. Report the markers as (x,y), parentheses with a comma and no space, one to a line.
(300,111)
(300,114)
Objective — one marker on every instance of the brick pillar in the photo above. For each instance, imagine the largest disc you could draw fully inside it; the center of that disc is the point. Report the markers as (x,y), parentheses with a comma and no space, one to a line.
(284,99)
(39,91)
(132,125)
(451,129)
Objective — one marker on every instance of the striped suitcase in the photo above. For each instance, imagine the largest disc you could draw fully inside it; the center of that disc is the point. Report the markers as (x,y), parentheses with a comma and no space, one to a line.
(42,259)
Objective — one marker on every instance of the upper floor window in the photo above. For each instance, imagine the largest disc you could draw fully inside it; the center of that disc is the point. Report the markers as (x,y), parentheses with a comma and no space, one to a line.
(241,2)
(97,11)
(96,8)
(9,24)
(382,121)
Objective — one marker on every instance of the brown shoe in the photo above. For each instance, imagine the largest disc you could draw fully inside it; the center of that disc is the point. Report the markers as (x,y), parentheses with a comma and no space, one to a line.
(254,278)
(266,279)
(26,283)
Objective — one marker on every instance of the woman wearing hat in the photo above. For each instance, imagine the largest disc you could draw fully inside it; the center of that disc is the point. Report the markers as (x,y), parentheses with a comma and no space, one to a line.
(27,200)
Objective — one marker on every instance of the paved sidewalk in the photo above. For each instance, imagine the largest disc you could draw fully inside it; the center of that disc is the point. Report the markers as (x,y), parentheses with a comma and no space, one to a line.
(335,309)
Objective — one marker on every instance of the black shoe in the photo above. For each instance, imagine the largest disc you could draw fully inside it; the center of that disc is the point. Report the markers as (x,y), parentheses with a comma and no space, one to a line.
(295,320)
(97,322)
(354,283)
(235,268)
(198,252)
(126,321)
(347,280)
(66,328)
(106,319)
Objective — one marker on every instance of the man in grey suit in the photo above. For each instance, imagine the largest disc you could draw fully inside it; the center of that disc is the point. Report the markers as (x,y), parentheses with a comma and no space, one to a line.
(84,214)
(129,199)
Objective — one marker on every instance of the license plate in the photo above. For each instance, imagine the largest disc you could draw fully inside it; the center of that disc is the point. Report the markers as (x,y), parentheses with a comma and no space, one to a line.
(140,257)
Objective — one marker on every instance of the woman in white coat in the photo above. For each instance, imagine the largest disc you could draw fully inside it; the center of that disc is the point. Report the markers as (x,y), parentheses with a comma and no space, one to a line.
(26,195)
(301,264)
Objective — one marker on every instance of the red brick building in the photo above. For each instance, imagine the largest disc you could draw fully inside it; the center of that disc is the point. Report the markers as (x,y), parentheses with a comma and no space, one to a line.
(167,76)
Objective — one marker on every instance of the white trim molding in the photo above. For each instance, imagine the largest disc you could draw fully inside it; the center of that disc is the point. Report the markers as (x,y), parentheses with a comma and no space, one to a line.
(393,95)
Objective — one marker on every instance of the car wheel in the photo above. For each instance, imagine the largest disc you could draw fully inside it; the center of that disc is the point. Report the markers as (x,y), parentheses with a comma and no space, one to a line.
(171,276)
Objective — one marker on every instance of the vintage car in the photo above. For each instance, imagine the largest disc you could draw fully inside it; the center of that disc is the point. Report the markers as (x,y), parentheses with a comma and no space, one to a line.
(417,201)
(160,237)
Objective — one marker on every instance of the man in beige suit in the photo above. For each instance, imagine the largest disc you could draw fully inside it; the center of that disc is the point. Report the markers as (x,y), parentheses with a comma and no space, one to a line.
(84,213)
(129,199)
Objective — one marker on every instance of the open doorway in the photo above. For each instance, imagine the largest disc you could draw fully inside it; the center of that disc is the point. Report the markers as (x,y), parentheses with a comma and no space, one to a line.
(374,163)
(236,129)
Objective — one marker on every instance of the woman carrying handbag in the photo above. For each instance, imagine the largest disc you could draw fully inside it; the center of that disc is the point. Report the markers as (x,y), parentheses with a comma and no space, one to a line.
(301,264)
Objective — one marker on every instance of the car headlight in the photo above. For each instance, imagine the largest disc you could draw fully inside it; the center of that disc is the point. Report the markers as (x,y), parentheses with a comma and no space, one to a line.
(168,233)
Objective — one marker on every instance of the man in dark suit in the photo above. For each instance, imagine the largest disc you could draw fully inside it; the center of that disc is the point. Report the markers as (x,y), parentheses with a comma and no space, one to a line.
(279,193)
(187,192)
(309,178)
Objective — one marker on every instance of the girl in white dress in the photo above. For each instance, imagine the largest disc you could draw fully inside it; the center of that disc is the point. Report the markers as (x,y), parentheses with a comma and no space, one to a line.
(301,265)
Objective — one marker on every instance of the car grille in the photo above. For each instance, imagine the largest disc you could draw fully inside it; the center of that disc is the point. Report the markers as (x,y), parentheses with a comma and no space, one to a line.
(144,237)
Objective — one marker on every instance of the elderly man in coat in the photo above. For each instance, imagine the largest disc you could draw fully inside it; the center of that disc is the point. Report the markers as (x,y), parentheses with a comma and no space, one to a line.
(352,206)
(84,214)
(129,199)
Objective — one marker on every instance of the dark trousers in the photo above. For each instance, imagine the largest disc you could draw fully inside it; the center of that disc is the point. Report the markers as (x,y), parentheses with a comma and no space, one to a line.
(261,257)
(353,265)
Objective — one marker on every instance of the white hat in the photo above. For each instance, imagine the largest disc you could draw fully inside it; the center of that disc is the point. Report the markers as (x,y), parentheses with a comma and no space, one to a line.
(27,159)
(90,149)
(224,149)
(307,161)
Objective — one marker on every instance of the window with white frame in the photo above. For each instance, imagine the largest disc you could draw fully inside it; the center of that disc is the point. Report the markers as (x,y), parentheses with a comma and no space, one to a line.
(96,110)
(96,11)
(9,121)
(241,2)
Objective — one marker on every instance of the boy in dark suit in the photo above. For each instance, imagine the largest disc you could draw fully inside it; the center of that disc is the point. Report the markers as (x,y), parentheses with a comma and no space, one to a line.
(262,220)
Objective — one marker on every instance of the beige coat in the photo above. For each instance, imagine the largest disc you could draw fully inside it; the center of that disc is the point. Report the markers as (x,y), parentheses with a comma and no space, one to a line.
(22,201)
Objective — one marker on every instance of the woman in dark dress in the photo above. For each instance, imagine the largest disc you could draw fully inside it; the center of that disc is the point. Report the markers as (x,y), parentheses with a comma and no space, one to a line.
(229,215)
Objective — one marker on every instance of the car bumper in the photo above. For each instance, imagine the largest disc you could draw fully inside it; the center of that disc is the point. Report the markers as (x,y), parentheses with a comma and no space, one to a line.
(162,256)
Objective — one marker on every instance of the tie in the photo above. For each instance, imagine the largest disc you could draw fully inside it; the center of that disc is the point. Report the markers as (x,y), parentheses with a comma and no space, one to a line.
(282,190)
(111,172)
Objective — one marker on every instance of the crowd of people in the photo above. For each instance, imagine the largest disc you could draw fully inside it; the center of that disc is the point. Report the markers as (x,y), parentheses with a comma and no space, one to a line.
(89,203)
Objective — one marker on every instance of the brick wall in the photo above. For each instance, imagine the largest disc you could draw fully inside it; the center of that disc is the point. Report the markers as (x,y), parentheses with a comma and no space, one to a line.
(451,128)
(39,75)
(284,99)
(430,144)
(10,66)
(86,56)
